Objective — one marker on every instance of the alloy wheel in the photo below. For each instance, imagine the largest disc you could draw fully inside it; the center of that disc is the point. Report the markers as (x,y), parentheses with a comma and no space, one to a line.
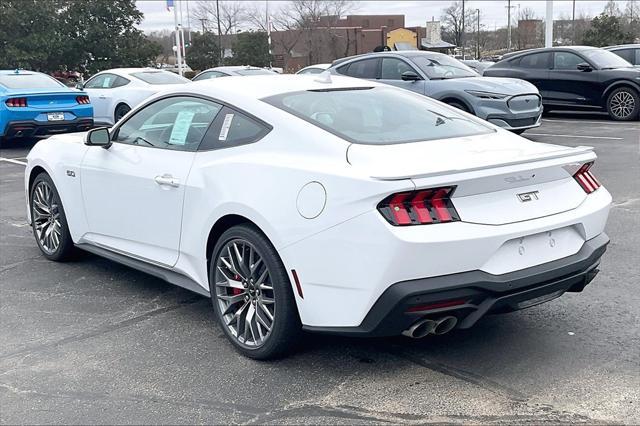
(244,293)
(622,104)
(46,218)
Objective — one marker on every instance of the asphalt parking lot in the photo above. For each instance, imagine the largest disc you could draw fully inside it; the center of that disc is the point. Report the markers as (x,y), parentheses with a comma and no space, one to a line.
(93,341)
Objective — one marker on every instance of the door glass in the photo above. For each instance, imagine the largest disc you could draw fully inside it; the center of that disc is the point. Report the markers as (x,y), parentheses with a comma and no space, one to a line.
(208,75)
(566,61)
(177,123)
(233,128)
(393,68)
(102,81)
(535,61)
(367,68)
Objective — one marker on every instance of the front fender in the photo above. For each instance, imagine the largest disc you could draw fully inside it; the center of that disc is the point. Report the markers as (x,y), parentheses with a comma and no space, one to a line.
(615,85)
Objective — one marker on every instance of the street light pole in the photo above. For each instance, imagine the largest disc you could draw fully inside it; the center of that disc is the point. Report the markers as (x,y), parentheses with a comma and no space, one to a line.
(573,23)
(462,32)
(509,25)
(478,41)
(219,32)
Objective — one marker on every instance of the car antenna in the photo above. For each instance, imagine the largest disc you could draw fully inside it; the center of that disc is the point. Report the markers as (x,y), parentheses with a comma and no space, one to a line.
(324,77)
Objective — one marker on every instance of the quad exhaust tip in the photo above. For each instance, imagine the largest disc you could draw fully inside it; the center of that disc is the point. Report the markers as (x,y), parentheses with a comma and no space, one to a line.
(427,326)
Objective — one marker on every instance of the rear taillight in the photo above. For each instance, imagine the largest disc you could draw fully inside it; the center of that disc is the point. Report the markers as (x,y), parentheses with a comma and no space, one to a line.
(83,99)
(16,102)
(586,179)
(420,207)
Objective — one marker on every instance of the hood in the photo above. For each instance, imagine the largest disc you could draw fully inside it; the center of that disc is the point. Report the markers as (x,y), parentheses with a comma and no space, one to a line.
(505,86)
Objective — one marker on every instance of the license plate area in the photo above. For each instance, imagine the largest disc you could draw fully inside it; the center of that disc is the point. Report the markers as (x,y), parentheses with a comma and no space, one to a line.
(535,249)
(55,116)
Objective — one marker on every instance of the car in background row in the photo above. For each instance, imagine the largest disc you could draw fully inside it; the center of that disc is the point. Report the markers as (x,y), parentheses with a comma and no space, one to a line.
(477,66)
(230,71)
(33,104)
(628,52)
(512,104)
(115,92)
(577,77)
(314,69)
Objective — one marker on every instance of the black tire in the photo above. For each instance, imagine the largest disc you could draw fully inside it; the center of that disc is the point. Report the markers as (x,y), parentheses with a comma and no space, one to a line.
(121,111)
(65,249)
(286,327)
(623,104)
(459,105)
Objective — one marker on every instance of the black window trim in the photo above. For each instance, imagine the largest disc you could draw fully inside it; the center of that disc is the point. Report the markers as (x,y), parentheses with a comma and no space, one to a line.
(114,131)
(368,58)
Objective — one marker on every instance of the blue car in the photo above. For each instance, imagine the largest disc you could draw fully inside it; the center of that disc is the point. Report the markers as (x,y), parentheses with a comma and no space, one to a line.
(33,104)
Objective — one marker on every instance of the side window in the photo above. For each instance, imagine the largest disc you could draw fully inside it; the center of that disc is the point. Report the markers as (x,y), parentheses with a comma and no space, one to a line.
(535,61)
(177,123)
(102,81)
(366,68)
(637,60)
(626,54)
(393,68)
(208,75)
(119,82)
(566,61)
(233,128)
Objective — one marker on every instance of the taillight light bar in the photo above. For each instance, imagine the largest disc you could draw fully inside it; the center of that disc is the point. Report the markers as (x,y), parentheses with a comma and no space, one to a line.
(421,207)
(586,179)
(83,99)
(16,102)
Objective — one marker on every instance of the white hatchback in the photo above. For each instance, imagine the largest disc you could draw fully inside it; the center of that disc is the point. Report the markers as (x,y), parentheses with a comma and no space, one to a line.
(324,204)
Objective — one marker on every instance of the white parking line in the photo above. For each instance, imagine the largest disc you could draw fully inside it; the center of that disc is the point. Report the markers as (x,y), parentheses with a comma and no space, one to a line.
(11,160)
(574,136)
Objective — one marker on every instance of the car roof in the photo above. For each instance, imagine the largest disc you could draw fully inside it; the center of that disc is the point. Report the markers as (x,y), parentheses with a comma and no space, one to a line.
(129,71)
(403,53)
(235,68)
(623,46)
(262,86)
(19,72)
(511,55)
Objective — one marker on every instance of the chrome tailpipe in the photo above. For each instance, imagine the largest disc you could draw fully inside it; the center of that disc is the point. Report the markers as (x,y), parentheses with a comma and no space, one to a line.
(425,327)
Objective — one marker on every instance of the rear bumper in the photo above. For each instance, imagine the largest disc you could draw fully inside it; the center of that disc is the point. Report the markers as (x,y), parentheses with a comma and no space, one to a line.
(33,128)
(481,293)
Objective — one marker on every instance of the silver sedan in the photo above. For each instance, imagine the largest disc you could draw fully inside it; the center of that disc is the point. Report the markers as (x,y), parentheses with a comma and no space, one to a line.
(510,103)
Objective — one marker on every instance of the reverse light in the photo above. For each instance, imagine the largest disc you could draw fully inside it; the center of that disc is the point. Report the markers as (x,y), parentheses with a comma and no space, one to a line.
(16,102)
(586,179)
(425,206)
(83,99)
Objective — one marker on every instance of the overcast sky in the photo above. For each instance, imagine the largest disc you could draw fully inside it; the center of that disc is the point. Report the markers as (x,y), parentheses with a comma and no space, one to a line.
(493,12)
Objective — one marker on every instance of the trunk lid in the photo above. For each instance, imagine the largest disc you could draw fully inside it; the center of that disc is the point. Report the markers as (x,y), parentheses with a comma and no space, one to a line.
(49,100)
(500,178)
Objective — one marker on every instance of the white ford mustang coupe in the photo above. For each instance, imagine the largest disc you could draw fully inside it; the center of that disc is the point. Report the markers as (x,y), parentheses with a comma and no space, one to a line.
(326,204)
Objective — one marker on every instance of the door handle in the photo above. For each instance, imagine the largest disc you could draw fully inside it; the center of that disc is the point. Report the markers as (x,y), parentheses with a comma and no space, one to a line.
(167,180)
(102,97)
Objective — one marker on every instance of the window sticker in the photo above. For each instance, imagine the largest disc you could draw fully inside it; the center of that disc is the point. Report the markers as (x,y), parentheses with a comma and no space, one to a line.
(224,131)
(105,83)
(181,128)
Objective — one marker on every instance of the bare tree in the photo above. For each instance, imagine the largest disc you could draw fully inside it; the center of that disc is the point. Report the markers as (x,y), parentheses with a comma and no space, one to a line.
(612,9)
(232,15)
(452,30)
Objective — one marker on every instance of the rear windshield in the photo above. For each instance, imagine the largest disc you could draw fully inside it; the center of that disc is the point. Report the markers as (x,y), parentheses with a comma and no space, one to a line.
(29,81)
(378,115)
(254,71)
(160,77)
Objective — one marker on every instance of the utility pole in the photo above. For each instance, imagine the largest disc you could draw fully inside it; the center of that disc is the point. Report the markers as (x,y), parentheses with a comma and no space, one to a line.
(462,33)
(219,32)
(573,23)
(189,22)
(202,21)
(509,7)
(478,41)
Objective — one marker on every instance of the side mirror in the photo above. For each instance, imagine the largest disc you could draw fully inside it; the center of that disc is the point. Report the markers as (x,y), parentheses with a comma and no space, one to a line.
(98,137)
(79,86)
(584,67)
(410,76)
